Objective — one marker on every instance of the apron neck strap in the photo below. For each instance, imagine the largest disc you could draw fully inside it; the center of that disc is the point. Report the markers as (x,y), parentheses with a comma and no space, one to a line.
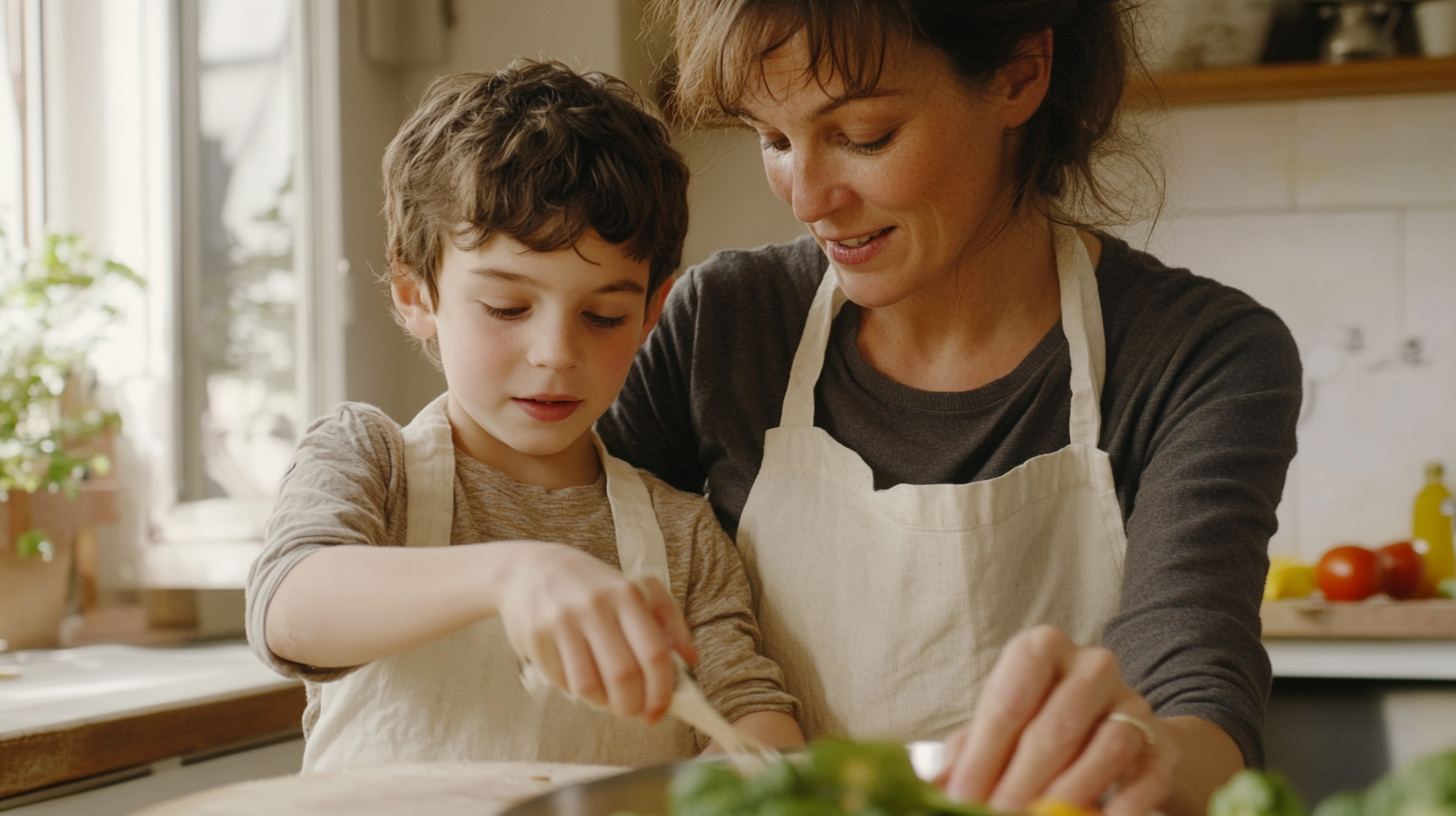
(429,462)
(640,546)
(1081,321)
(429,468)
(809,358)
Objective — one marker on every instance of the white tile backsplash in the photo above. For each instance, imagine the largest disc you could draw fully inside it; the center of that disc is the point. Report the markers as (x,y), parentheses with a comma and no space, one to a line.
(1340,215)
(1376,151)
(1323,274)
(1231,158)
(1430,279)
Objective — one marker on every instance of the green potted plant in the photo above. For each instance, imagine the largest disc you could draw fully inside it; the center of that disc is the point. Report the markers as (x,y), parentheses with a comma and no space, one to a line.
(55,306)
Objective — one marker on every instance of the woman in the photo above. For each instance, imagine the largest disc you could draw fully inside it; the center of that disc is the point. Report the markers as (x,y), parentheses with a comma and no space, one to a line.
(960,441)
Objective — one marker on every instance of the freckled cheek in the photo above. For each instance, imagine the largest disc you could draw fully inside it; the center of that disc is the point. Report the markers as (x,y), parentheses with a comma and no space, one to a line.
(483,349)
(615,358)
(907,187)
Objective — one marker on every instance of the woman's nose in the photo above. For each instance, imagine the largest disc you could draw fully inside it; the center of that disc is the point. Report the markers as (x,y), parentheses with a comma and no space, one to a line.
(817,188)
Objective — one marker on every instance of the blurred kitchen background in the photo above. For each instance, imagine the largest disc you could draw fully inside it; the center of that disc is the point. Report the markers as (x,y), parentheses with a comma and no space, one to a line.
(229,151)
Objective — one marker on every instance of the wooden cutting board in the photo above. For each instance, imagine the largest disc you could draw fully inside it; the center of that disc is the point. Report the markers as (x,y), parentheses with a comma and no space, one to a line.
(427,789)
(1377,617)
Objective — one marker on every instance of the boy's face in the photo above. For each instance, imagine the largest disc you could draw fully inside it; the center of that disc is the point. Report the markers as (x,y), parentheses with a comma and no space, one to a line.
(535,346)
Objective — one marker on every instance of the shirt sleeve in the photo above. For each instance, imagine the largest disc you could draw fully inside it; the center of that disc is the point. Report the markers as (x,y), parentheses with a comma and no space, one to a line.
(1201,484)
(337,491)
(735,676)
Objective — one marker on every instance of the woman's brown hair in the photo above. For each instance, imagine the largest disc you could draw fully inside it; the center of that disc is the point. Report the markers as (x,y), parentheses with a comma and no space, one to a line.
(721,44)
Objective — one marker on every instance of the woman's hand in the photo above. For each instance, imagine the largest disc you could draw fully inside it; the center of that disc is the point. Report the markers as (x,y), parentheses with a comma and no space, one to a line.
(594,632)
(1045,728)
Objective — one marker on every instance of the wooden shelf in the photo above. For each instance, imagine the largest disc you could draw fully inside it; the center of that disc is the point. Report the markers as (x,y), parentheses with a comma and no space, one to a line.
(1268,83)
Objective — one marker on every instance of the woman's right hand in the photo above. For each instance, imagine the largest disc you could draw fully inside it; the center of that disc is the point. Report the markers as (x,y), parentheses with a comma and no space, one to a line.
(593,631)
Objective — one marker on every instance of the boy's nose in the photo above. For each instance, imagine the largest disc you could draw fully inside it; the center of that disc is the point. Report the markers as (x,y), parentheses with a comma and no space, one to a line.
(554,347)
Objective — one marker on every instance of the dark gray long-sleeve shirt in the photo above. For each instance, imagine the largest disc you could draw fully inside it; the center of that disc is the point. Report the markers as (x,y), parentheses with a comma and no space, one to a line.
(1199,406)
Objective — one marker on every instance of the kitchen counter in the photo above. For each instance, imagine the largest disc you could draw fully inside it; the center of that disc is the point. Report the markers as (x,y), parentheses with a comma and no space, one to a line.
(425,789)
(1382,659)
(92,712)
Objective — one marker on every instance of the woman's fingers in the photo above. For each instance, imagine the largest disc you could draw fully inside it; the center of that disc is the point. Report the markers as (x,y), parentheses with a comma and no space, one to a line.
(1062,730)
(1118,752)
(1023,677)
(1151,786)
(1041,730)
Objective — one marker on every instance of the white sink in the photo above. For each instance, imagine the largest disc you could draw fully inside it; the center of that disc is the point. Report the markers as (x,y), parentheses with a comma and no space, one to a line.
(45,690)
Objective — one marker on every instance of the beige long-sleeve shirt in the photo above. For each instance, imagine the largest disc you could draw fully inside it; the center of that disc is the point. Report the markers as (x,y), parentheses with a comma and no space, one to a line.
(347,485)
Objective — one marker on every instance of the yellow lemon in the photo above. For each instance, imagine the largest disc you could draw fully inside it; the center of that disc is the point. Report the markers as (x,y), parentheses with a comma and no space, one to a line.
(1288,578)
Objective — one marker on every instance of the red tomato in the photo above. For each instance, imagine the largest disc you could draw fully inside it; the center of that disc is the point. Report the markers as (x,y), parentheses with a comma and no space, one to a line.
(1348,573)
(1400,570)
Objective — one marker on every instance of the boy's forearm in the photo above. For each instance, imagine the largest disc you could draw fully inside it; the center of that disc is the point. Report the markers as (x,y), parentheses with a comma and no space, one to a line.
(348,605)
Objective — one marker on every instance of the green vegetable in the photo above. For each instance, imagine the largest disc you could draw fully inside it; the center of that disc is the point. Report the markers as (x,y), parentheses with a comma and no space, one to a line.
(1447,588)
(1348,803)
(832,778)
(1427,788)
(1255,793)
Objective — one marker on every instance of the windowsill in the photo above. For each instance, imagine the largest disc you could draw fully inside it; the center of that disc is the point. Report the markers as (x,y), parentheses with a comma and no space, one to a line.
(91,710)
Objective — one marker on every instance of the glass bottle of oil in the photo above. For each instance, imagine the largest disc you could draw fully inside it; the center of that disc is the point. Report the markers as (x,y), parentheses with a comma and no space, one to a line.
(1432,530)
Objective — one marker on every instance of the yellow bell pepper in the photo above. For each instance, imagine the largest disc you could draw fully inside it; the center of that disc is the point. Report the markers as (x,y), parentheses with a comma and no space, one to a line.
(1058,807)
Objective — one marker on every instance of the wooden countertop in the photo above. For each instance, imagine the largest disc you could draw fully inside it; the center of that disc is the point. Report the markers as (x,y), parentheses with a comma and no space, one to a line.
(69,714)
(427,789)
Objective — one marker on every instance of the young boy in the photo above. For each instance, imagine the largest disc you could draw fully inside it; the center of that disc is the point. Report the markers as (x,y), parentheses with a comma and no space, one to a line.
(535,217)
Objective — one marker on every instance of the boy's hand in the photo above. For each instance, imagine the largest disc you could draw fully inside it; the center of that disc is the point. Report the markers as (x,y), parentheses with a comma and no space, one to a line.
(593,631)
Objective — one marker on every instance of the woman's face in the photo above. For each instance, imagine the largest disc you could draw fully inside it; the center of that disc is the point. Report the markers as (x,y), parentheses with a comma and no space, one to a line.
(900,186)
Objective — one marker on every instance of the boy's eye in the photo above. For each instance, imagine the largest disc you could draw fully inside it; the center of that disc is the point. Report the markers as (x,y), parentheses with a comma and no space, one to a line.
(604,322)
(503,314)
(777,144)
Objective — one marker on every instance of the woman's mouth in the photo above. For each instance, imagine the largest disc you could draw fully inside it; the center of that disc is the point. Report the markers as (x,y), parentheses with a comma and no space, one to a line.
(861,240)
(547,408)
(857,249)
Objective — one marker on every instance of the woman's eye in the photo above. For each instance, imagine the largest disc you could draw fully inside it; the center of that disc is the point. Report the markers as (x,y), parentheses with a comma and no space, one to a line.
(872,147)
(604,322)
(504,314)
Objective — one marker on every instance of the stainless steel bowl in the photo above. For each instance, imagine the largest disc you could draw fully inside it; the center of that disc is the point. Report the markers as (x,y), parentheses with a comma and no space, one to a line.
(644,791)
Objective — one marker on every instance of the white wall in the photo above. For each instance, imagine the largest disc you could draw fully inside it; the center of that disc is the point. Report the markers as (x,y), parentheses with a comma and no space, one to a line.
(1340,215)
(382,366)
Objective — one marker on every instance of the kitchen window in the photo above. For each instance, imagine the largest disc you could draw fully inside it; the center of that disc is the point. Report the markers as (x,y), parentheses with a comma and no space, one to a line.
(181,137)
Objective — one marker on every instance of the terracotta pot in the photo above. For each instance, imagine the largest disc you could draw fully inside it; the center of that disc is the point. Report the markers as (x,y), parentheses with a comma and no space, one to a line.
(34,592)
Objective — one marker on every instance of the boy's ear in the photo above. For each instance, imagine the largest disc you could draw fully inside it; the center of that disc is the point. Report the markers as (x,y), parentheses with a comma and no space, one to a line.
(654,308)
(413,306)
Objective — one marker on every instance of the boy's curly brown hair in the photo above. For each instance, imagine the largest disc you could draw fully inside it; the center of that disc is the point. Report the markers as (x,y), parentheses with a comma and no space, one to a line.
(541,154)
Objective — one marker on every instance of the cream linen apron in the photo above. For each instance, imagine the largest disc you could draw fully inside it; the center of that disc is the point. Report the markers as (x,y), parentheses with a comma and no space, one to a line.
(460,698)
(888,608)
